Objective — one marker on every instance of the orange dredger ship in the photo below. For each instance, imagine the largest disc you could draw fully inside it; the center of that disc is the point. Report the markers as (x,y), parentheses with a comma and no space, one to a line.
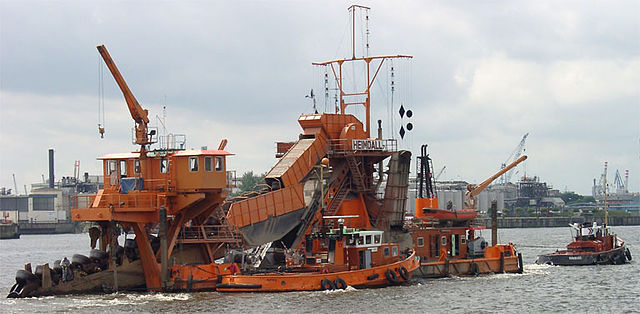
(320,223)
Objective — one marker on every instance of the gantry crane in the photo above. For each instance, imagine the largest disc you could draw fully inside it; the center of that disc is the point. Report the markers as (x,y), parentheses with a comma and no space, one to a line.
(514,156)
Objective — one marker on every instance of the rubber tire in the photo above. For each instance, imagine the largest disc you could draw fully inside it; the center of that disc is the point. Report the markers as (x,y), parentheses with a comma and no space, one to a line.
(627,253)
(404,274)
(473,269)
(391,276)
(340,284)
(327,284)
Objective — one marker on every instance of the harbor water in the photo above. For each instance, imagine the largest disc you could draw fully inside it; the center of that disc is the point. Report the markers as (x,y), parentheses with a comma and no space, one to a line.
(542,288)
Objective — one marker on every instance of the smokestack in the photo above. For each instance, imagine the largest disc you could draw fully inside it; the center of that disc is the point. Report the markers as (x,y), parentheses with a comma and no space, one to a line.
(626,181)
(51,173)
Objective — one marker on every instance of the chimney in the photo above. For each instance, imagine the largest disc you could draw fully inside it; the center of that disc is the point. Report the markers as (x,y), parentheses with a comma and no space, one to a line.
(51,173)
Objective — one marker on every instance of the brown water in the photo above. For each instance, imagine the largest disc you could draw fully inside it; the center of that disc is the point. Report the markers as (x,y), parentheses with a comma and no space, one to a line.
(542,288)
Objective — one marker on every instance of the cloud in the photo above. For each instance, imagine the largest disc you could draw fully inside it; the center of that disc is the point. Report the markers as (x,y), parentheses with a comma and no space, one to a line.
(483,74)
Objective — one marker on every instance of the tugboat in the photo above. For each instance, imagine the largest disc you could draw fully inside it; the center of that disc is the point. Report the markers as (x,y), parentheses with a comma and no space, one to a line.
(592,244)
(447,240)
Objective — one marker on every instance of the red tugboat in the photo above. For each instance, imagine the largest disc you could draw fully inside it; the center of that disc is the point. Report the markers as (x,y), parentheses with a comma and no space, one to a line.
(593,244)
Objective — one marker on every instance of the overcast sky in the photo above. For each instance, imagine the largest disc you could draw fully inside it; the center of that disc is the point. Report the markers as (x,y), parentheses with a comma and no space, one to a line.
(483,74)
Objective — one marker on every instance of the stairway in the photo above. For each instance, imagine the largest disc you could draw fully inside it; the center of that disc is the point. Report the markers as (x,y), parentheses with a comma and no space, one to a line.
(338,198)
(356,173)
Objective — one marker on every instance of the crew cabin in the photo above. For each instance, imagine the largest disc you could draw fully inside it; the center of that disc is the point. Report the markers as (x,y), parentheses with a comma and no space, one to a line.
(180,171)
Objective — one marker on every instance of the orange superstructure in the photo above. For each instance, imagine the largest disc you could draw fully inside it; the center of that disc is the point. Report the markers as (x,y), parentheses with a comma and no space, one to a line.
(447,240)
(322,221)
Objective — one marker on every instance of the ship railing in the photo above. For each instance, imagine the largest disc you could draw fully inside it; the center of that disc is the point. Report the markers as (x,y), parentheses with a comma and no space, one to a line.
(208,233)
(141,201)
(156,184)
(82,200)
(362,146)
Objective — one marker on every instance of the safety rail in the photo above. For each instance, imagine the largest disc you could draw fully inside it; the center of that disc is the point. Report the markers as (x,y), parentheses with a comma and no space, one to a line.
(362,146)
(82,200)
(209,234)
(142,201)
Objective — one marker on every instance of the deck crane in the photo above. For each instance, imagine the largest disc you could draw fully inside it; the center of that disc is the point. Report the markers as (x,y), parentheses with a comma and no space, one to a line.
(139,115)
(474,190)
(514,156)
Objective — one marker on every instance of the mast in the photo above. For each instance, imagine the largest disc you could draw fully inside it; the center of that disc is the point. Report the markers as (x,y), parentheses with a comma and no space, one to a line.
(606,205)
(338,75)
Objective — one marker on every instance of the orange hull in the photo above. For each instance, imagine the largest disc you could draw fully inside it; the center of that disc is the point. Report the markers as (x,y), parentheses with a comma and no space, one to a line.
(443,214)
(279,282)
(499,259)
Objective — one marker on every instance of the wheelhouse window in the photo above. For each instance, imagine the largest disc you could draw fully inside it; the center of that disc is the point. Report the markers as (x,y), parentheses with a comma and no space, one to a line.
(386,252)
(420,241)
(136,166)
(193,164)
(368,239)
(376,239)
(208,163)
(164,165)
(123,168)
(360,240)
(112,166)
(219,163)
(394,251)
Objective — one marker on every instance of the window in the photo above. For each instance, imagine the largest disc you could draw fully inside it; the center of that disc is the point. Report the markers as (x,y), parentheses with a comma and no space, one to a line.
(219,163)
(463,239)
(376,239)
(136,166)
(368,239)
(43,202)
(164,165)
(193,164)
(360,240)
(386,252)
(420,241)
(208,163)
(20,204)
(444,240)
(112,166)
(394,251)
(123,168)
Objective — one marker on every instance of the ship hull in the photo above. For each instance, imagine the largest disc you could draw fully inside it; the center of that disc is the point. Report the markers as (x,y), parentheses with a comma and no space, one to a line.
(565,258)
(470,267)
(362,278)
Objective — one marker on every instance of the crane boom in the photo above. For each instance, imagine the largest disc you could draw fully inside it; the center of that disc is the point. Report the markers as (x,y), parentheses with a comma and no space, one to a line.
(139,114)
(472,190)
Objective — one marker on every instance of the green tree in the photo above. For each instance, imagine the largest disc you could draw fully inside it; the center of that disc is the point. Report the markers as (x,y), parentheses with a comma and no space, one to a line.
(249,181)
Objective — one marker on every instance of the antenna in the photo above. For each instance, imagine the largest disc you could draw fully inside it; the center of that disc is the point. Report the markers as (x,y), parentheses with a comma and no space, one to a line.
(353,28)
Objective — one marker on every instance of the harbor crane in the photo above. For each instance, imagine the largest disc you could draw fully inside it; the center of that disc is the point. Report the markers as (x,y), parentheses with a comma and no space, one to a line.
(440,173)
(506,177)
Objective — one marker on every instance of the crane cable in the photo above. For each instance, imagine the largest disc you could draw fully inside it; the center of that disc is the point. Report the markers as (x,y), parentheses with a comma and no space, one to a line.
(101,115)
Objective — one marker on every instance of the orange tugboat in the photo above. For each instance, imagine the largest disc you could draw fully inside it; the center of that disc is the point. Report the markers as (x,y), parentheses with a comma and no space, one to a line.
(446,240)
